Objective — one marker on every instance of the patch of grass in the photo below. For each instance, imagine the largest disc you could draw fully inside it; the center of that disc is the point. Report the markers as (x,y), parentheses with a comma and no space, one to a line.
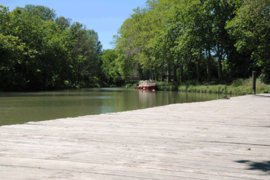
(237,82)
(131,86)
(238,87)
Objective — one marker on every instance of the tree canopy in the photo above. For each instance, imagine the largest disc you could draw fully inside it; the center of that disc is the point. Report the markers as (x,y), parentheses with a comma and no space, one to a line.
(201,40)
(38,53)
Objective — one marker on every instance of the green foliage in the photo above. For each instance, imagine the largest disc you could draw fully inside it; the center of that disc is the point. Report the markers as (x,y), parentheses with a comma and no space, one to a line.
(211,40)
(265,77)
(11,50)
(86,53)
(63,22)
(36,53)
(131,86)
(237,82)
(244,88)
(43,12)
(109,66)
(251,27)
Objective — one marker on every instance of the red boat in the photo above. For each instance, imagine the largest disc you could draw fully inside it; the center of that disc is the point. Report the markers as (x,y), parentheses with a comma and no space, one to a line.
(139,87)
(147,85)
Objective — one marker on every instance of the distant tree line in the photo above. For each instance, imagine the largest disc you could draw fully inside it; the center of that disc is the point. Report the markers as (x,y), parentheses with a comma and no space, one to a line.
(211,41)
(40,52)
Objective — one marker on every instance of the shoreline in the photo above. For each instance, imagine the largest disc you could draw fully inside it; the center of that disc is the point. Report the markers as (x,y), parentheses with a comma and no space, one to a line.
(238,87)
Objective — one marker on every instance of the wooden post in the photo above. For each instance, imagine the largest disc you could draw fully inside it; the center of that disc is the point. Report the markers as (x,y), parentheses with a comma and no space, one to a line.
(254,81)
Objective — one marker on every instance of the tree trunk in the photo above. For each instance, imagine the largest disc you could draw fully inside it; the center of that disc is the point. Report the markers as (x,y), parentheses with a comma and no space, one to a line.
(148,75)
(168,73)
(156,77)
(174,73)
(188,74)
(198,67)
(219,66)
(209,56)
(162,75)
(181,78)
(208,67)
(140,73)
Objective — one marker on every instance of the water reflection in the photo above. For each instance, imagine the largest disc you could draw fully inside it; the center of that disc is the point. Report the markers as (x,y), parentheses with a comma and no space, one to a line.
(37,106)
(148,97)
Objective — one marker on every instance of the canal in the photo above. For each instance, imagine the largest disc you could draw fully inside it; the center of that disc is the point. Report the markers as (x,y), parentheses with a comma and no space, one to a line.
(18,108)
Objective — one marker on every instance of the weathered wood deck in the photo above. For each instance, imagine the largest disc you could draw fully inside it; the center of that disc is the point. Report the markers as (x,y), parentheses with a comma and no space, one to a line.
(221,139)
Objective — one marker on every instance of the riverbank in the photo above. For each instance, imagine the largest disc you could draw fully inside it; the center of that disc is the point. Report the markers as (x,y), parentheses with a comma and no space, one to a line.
(220,139)
(238,87)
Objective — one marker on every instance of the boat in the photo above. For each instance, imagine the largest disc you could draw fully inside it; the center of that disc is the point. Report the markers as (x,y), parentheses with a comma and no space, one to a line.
(147,85)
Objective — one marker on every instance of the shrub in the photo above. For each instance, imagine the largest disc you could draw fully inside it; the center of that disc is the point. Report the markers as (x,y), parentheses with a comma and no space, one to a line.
(238,82)
(265,77)
(128,85)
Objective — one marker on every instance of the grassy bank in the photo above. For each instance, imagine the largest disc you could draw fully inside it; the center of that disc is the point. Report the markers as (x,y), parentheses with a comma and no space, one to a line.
(238,87)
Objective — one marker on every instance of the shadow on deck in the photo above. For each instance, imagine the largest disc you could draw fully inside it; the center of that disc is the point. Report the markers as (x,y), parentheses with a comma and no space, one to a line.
(261,166)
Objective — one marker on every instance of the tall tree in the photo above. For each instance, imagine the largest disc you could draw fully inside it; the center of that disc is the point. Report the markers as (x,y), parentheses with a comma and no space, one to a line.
(109,65)
(63,22)
(44,12)
(251,27)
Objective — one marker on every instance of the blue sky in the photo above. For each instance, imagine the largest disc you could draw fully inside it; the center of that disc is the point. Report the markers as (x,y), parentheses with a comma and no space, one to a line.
(103,16)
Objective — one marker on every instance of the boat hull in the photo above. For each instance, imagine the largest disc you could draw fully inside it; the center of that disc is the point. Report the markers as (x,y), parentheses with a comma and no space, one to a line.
(149,87)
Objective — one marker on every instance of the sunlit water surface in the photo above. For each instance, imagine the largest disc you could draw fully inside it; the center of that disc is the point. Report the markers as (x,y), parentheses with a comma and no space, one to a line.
(18,108)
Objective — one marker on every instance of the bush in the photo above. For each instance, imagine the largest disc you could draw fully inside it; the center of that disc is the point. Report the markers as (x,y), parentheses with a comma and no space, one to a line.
(164,83)
(238,87)
(265,77)
(128,85)
(131,86)
(238,82)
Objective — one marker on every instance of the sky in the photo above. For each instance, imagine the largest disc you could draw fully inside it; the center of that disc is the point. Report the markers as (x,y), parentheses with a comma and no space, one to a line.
(103,16)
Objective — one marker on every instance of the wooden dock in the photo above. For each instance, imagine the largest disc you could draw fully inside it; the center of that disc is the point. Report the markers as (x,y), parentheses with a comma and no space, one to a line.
(220,139)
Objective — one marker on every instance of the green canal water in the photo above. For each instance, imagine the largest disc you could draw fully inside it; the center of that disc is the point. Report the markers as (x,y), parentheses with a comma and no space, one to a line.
(18,108)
